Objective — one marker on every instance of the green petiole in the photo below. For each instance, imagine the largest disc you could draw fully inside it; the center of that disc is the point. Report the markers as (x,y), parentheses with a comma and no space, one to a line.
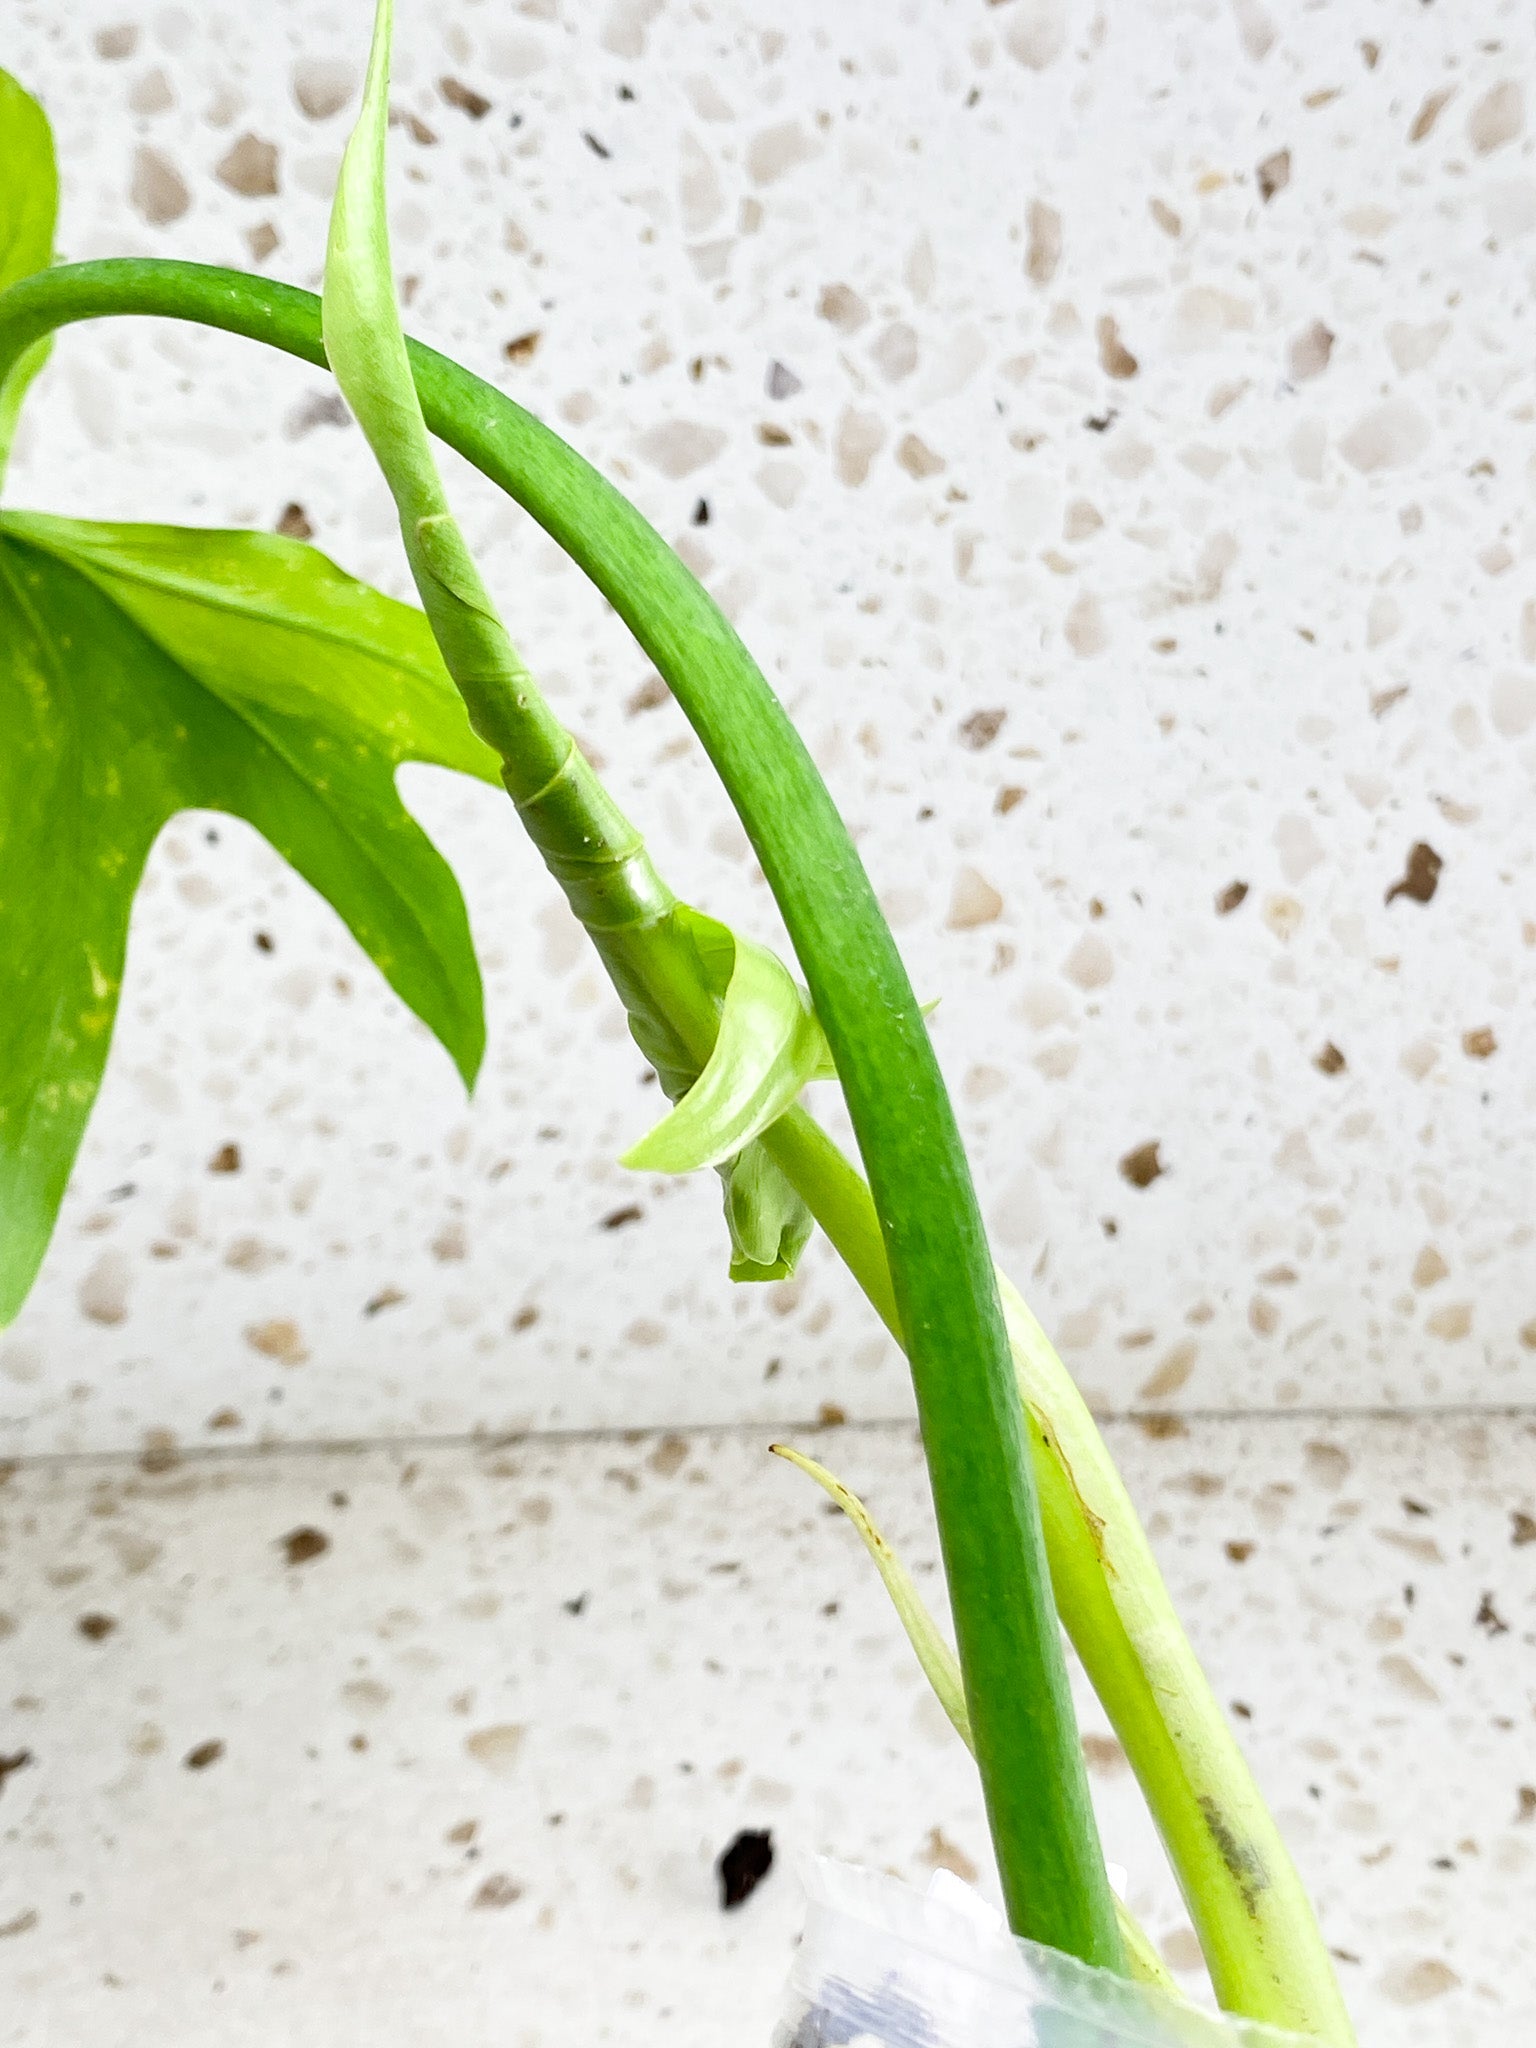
(1021,1711)
(1266,1956)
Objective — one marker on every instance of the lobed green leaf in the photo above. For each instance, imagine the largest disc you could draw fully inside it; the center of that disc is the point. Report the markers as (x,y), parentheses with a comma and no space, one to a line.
(147,670)
(29,206)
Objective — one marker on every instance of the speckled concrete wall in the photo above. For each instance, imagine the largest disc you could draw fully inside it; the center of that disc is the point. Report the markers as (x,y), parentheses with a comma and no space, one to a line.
(1112,429)
(441,1744)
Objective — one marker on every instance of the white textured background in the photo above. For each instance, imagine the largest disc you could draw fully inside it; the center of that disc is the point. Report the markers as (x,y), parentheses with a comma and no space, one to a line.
(1275,623)
(1147,509)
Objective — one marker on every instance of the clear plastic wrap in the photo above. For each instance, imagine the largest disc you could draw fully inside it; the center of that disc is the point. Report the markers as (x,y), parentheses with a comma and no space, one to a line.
(884,1966)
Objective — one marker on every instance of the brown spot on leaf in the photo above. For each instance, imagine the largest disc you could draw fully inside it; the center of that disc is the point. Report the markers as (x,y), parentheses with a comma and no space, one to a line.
(1527,1809)
(1239,1551)
(1330,1060)
(743,1866)
(204,1754)
(225,1160)
(522,348)
(95,1627)
(1480,1044)
(23,1923)
(1229,899)
(1421,877)
(261,240)
(465,98)
(1009,796)
(293,523)
(617,1218)
(1524,1528)
(116,44)
(1142,1165)
(387,1297)
(300,1545)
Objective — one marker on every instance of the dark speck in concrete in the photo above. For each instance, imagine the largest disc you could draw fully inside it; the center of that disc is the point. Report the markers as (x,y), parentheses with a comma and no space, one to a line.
(301,1545)
(743,1866)
(1142,1166)
(17,1760)
(1421,877)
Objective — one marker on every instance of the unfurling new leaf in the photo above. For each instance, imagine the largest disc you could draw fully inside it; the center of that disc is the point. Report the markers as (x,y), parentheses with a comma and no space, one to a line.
(769,1045)
(769,1222)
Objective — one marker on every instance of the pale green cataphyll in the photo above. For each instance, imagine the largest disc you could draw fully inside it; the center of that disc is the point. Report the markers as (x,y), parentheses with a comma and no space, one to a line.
(145,670)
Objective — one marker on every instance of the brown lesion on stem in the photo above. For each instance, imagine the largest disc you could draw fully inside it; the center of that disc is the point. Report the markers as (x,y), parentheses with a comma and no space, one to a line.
(1093,1523)
(1238,1854)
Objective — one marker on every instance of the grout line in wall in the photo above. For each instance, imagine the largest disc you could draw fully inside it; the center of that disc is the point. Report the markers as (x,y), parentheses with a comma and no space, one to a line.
(1161,1421)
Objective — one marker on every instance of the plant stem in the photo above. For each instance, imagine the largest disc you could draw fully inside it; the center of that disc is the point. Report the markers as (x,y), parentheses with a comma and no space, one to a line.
(942,1275)
(1255,1924)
